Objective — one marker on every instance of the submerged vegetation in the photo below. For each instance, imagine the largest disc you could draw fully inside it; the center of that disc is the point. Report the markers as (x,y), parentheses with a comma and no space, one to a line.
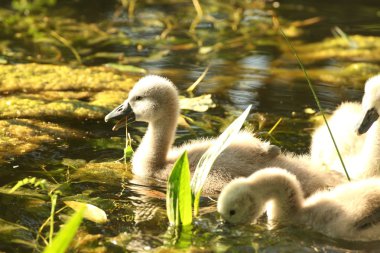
(65,64)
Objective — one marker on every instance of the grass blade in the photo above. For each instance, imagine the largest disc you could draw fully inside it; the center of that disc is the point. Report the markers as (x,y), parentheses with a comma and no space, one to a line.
(208,158)
(53,198)
(178,195)
(67,44)
(32,181)
(66,234)
(274,127)
(316,99)
(200,78)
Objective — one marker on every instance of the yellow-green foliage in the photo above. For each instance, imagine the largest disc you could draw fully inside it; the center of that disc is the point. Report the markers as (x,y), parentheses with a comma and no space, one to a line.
(49,91)
(66,234)
(28,107)
(19,136)
(178,193)
(353,75)
(107,172)
(37,77)
(353,47)
(51,36)
(58,91)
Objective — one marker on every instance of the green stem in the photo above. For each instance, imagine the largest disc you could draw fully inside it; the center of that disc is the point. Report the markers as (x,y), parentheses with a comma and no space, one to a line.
(126,144)
(274,127)
(52,211)
(66,43)
(316,99)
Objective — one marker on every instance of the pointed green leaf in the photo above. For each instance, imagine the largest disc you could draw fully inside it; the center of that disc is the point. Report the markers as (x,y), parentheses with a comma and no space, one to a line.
(208,158)
(66,234)
(178,196)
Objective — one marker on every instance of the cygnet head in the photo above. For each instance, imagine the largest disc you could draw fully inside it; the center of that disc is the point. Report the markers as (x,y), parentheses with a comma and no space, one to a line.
(371,104)
(237,203)
(151,99)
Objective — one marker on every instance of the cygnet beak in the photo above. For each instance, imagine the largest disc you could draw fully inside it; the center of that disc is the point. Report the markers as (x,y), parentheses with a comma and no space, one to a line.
(370,117)
(124,111)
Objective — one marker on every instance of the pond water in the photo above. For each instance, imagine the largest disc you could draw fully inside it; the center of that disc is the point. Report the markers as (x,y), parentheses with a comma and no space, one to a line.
(249,63)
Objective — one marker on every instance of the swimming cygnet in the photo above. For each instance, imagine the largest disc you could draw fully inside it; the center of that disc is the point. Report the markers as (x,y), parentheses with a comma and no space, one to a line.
(349,211)
(349,124)
(154,100)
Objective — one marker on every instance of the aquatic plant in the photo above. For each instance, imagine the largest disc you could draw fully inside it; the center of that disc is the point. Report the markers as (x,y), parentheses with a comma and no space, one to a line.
(178,195)
(208,158)
(52,191)
(192,87)
(181,194)
(66,234)
(32,181)
(34,5)
(53,194)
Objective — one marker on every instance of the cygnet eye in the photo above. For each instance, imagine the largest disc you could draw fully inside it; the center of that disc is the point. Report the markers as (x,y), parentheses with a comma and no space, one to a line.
(232,212)
(138,98)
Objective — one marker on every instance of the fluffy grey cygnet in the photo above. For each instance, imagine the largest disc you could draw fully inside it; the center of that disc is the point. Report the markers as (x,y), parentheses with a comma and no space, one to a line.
(356,130)
(349,211)
(154,99)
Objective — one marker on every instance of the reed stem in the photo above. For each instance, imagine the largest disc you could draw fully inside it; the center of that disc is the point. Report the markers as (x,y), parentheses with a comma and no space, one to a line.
(315,98)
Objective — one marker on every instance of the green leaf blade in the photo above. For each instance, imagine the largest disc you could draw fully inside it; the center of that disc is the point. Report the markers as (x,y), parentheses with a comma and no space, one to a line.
(208,158)
(178,196)
(66,234)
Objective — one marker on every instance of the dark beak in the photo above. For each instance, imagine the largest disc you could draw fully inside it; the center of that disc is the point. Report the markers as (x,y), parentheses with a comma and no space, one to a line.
(370,117)
(124,112)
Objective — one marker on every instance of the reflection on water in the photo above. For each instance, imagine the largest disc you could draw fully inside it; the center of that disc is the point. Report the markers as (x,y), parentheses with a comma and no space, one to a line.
(242,57)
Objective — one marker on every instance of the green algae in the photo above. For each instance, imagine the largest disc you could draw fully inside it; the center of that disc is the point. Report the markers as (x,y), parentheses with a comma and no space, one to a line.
(200,104)
(59,91)
(35,106)
(353,75)
(21,136)
(108,98)
(55,38)
(15,234)
(30,107)
(34,93)
(356,48)
(105,172)
(37,78)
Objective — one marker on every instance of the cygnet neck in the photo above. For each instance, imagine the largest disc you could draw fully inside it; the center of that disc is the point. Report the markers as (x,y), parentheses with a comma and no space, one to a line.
(284,192)
(150,157)
(370,153)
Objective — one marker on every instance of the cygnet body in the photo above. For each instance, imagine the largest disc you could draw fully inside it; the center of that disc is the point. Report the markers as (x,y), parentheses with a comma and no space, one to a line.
(356,131)
(154,100)
(349,211)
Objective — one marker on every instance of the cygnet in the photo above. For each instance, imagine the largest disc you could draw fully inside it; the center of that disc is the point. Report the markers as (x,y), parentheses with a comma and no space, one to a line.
(349,211)
(154,99)
(356,131)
